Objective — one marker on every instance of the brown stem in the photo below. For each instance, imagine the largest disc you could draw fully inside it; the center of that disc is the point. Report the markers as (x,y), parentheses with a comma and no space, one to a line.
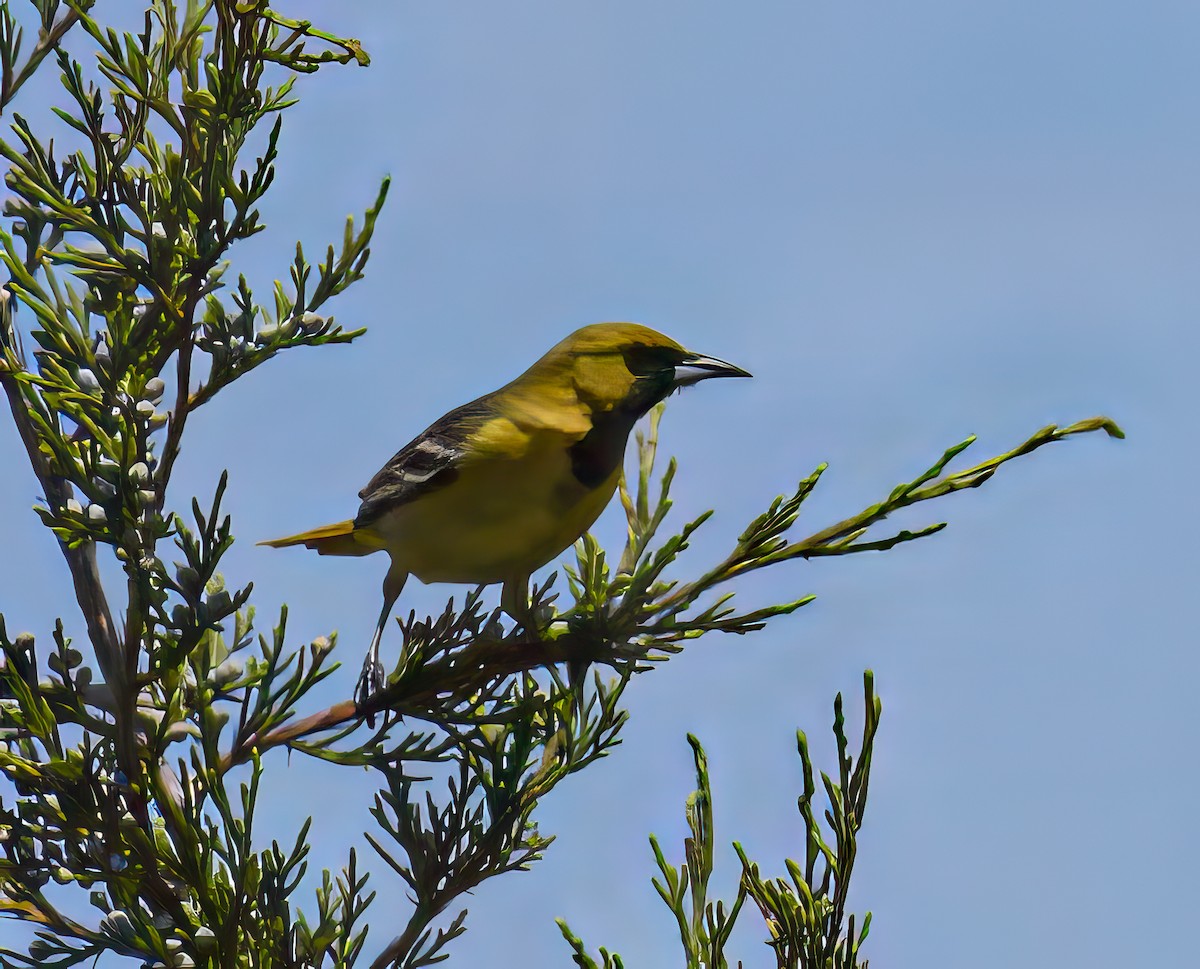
(461,674)
(89,594)
(183,377)
(81,560)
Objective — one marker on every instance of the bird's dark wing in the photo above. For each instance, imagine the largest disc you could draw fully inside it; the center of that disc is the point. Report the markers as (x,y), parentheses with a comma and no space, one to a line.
(427,462)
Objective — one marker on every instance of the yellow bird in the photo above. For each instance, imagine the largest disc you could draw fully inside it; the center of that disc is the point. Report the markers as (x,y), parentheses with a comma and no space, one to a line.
(498,487)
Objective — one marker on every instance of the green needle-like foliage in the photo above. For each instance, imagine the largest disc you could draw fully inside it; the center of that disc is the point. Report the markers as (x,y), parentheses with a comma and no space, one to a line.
(805,914)
(130,764)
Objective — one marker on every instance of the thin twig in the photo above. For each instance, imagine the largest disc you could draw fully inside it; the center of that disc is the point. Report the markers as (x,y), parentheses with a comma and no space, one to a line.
(463,673)
(48,42)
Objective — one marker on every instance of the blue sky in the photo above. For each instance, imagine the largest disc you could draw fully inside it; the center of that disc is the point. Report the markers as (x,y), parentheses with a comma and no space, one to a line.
(912,222)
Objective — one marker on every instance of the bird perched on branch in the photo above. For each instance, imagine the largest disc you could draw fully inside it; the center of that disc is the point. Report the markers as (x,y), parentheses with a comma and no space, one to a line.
(496,488)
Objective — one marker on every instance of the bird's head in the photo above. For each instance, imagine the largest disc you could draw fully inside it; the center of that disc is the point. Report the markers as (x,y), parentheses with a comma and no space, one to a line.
(628,366)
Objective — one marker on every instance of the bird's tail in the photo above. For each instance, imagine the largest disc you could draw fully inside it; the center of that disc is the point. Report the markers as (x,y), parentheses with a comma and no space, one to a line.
(335,539)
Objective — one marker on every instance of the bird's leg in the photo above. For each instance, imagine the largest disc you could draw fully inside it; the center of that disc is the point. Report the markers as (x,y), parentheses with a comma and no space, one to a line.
(371,680)
(514,599)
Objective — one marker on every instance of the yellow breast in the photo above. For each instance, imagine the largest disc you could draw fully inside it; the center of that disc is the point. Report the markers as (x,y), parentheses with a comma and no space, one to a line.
(500,517)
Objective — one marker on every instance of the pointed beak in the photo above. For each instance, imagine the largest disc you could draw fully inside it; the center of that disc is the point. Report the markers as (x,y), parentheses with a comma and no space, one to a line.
(696,367)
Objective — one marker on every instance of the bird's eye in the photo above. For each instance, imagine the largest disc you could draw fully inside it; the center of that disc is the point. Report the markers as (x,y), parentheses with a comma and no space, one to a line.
(643,360)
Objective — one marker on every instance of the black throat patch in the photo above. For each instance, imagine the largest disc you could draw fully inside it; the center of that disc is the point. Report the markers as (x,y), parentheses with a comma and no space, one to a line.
(600,452)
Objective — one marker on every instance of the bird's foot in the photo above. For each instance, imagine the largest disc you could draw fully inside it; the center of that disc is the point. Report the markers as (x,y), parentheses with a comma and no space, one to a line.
(371,681)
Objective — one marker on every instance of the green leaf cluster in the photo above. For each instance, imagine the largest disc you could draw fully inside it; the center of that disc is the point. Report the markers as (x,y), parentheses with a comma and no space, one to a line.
(805,914)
